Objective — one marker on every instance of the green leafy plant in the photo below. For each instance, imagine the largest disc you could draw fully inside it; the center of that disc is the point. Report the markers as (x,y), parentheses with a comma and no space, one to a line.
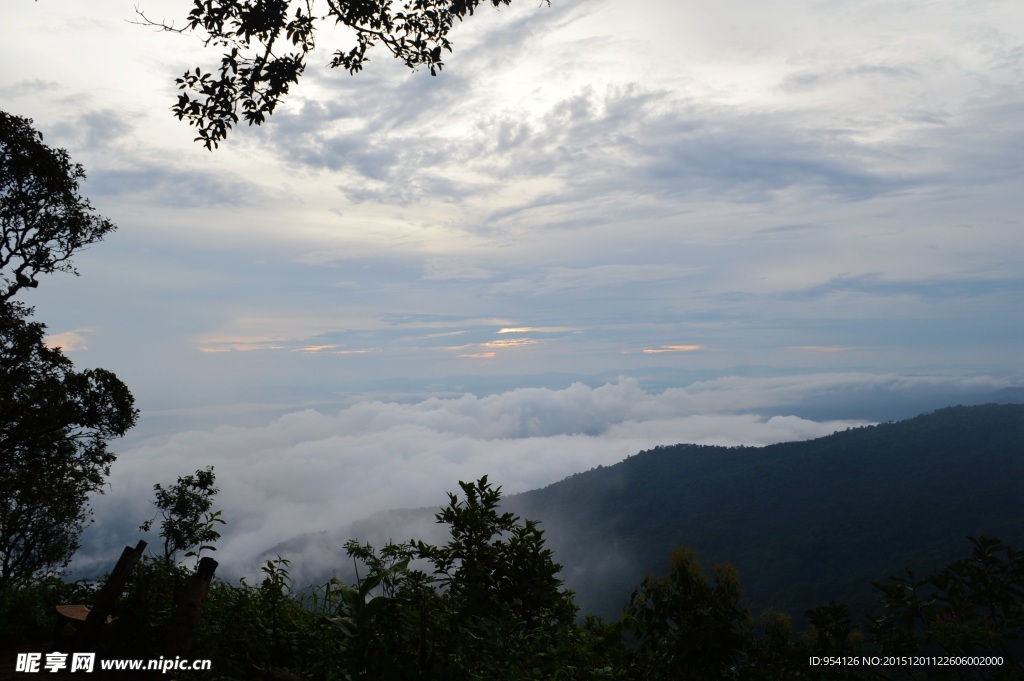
(972,607)
(486,605)
(55,425)
(187,524)
(26,613)
(44,221)
(687,626)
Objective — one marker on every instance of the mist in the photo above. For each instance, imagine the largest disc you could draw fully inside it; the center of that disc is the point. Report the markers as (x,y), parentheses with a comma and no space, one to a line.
(309,471)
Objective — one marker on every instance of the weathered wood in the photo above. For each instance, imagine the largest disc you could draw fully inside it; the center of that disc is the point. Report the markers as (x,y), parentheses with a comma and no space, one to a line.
(74,616)
(186,615)
(88,621)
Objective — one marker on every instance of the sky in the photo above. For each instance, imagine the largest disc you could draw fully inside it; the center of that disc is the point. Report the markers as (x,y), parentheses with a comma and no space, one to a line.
(605,226)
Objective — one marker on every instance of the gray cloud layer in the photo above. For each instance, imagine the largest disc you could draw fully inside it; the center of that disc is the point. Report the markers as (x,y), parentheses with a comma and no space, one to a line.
(309,471)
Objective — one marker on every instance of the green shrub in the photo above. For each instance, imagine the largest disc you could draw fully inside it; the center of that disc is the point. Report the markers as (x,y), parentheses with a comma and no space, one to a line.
(27,614)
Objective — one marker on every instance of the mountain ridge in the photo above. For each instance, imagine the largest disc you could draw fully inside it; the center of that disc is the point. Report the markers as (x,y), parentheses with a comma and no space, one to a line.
(804,522)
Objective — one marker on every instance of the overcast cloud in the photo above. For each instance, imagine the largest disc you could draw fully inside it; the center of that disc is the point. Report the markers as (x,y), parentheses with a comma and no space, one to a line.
(367,299)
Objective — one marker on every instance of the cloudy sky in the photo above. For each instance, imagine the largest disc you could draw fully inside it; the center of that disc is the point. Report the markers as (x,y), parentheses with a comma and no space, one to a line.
(401,281)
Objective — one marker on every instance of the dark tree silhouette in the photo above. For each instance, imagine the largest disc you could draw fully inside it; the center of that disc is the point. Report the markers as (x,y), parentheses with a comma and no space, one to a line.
(685,625)
(55,422)
(187,523)
(972,607)
(43,219)
(54,426)
(266,44)
(491,607)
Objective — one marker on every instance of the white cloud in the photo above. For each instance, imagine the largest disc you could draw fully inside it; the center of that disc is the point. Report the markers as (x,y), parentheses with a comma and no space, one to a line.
(309,471)
(561,279)
(453,269)
(69,341)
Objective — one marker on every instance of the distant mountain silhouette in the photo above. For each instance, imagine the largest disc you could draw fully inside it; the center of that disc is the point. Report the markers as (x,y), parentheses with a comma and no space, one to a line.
(804,522)
(1004,396)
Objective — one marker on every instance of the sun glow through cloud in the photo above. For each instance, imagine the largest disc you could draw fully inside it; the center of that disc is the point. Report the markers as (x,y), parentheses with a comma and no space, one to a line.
(316,348)
(510,342)
(672,348)
(213,346)
(539,329)
(69,341)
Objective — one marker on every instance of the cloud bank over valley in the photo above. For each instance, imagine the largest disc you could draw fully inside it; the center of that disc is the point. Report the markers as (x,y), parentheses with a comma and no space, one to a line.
(308,471)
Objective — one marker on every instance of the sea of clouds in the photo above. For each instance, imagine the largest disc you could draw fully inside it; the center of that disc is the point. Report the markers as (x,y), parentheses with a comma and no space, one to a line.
(309,471)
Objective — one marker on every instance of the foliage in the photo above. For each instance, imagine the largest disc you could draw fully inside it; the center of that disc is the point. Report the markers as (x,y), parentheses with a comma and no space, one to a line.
(245,629)
(832,630)
(26,613)
(491,605)
(803,522)
(55,424)
(395,632)
(496,564)
(773,653)
(834,635)
(248,629)
(188,523)
(487,605)
(143,613)
(974,606)
(43,219)
(266,45)
(685,625)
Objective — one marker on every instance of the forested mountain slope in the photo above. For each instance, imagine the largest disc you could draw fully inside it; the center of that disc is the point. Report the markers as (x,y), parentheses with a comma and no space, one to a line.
(804,522)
